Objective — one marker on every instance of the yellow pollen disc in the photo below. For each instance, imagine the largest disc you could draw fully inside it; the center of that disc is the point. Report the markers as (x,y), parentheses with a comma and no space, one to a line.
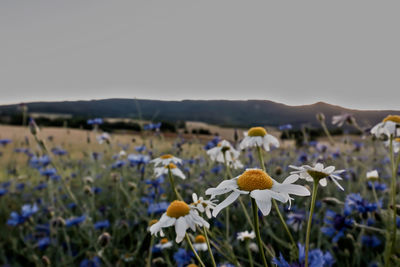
(254,179)
(317,174)
(178,209)
(257,131)
(393,118)
(200,239)
(192,265)
(397,139)
(170,166)
(219,144)
(164,241)
(153,222)
(166,156)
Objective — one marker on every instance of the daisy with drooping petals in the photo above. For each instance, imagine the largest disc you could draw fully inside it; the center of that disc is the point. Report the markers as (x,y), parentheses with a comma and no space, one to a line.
(163,244)
(261,187)
(258,137)
(387,126)
(200,243)
(224,151)
(339,120)
(181,216)
(165,160)
(203,205)
(242,236)
(317,172)
(169,167)
(373,175)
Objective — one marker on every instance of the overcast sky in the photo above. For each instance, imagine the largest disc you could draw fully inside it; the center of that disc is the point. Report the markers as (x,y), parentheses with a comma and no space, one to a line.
(294,52)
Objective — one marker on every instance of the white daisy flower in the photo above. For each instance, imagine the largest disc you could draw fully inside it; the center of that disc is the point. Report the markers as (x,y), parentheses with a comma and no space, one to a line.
(104,137)
(180,215)
(318,172)
(200,243)
(165,160)
(203,205)
(387,126)
(341,119)
(164,244)
(242,236)
(231,154)
(258,136)
(259,185)
(373,175)
(172,167)
(396,145)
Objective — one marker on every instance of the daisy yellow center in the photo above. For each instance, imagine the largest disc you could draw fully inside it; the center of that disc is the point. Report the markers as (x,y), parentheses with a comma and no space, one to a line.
(393,118)
(192,265)
(317,174)
(254,179)
(257,131)
(397,139)
(164,241)
(153,222)
(166,156)
(178,209)
(200,239)
(170,166)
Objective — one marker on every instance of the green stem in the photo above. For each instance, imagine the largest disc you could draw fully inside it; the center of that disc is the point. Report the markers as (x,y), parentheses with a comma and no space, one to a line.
(171,180)
(327,133)
(209,247)
(228,176)
(148,262)
(261,159)
(194,251)
(249,252)
(314,197)
(257,230)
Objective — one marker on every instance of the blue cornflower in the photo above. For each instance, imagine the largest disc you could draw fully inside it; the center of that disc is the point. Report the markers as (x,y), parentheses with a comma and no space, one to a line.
(118,164)
(336,225)
(152,126)
(5,142)
(140,148)
(217,169)
(296,219)
(371,241)
(95,121)
(137,159)
(285,127)
(20,186)
(75,221)
(27,210)
(157,208)
(48,172)
(40,186)
(155,182)
(102,225)
(354,202)
(378,186)
(183,257)
(59,151)
(94,262)
(316,258)
(213,143)
(43,243)
(3,191)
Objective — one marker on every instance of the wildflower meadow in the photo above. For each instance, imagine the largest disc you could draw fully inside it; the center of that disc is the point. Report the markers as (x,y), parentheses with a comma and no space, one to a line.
(252,199)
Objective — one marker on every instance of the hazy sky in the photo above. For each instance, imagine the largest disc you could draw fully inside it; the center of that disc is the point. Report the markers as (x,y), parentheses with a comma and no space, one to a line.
(295,52)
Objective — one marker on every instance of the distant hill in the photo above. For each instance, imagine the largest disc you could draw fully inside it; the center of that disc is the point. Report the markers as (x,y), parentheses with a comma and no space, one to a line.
(220,112)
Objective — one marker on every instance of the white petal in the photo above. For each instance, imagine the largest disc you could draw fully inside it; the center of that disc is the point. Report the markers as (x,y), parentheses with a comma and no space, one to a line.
(294,189)
(265,194)
(291,179)
(180,229)
(323,182)
(338,185)
(229,200)
(264,206)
